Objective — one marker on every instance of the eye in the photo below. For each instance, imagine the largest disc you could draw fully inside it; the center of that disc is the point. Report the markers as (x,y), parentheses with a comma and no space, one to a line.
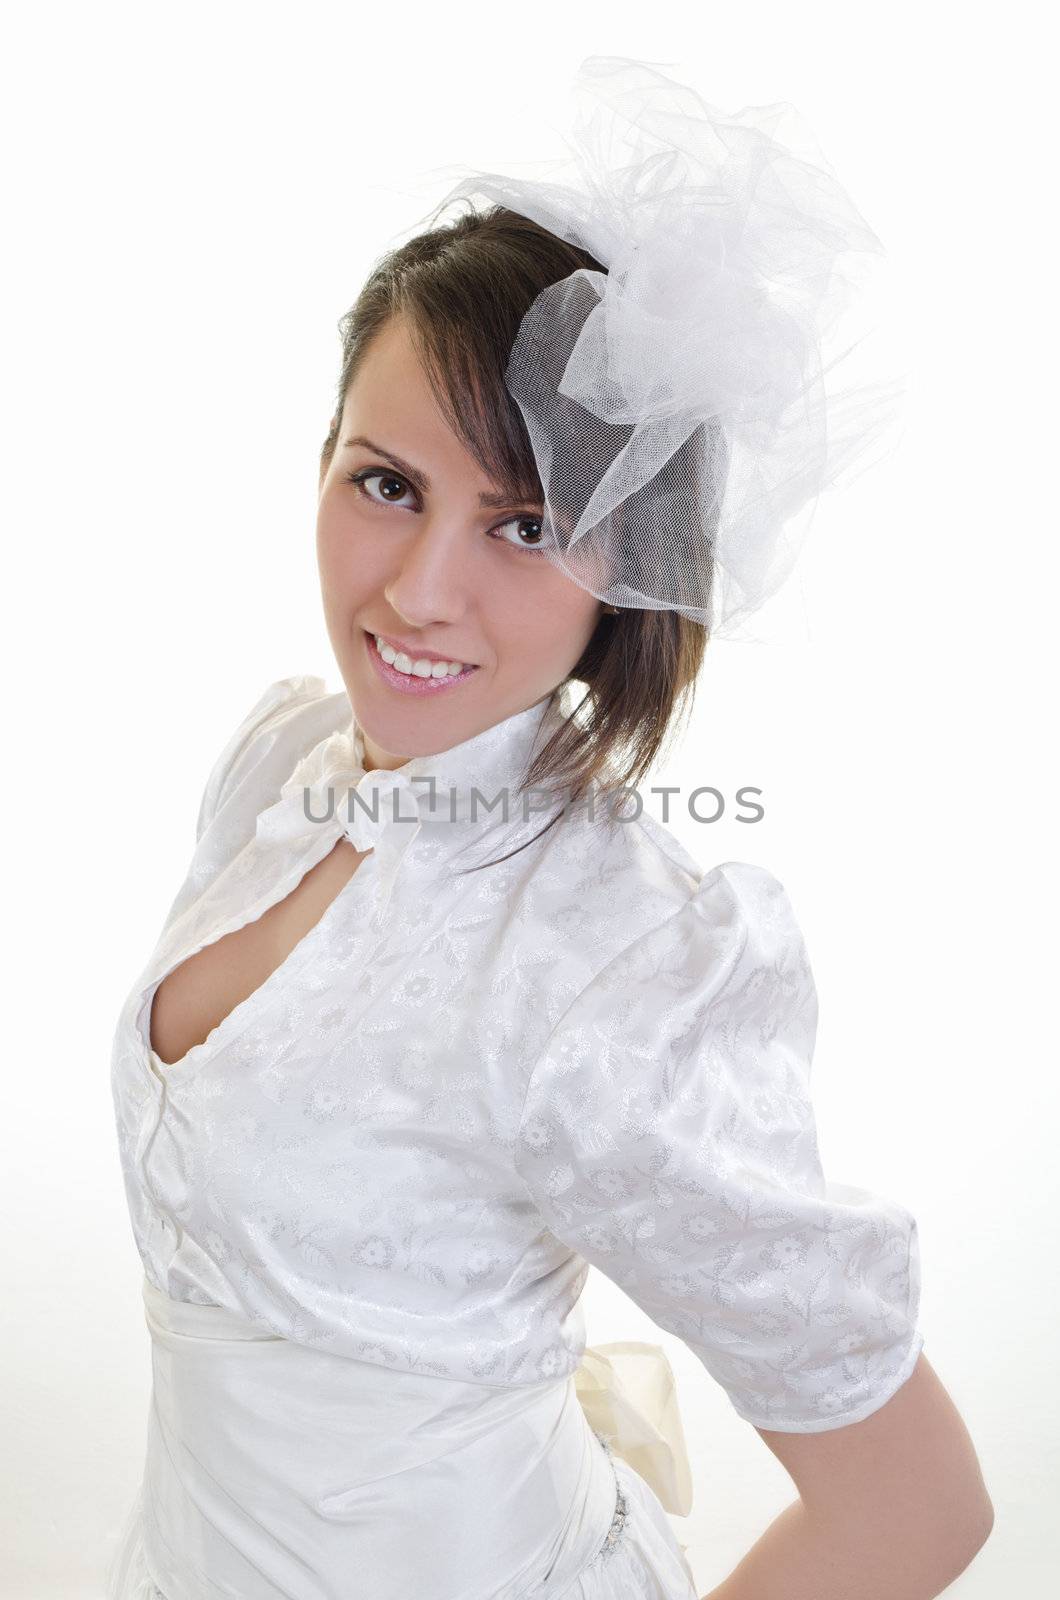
(536,542)
(385,475)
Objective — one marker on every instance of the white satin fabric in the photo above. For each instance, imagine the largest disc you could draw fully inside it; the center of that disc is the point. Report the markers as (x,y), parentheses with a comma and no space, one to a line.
(397,1159)
(277,1472)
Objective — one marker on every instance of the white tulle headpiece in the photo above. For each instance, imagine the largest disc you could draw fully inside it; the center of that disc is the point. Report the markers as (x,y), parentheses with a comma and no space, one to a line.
(683,406)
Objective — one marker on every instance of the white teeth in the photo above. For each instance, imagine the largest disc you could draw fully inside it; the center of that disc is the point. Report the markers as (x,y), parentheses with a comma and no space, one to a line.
(421,668)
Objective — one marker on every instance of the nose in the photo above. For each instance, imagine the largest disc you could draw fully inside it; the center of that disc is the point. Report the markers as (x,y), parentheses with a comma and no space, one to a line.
(435,572)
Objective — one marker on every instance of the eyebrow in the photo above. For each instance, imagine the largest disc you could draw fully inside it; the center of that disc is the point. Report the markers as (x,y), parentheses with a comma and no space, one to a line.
(420,480)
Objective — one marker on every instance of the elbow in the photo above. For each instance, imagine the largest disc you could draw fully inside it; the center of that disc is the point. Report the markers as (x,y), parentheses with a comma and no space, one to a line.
(963,1526)
(923,1553)
(923,1536)
(970,1513)
(963,1549)
(983,1524)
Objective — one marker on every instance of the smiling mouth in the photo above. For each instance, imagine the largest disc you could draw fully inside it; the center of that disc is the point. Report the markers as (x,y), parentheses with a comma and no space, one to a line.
(417,666)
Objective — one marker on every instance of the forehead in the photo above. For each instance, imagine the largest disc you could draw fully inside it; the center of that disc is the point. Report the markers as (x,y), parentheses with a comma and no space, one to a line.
(390,387)
(390,401)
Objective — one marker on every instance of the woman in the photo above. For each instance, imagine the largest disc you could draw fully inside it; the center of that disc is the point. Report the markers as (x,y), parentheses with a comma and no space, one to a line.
(429,1029)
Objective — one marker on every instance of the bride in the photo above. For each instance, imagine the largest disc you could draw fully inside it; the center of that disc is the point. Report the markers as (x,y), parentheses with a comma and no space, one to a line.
(432,1026)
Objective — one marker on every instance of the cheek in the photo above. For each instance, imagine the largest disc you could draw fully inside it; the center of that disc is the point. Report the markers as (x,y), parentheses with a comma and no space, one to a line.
(550,621)
(345,562)
(575,611)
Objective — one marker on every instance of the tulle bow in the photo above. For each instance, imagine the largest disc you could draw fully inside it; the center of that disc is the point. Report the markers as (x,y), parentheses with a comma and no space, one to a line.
(683,405)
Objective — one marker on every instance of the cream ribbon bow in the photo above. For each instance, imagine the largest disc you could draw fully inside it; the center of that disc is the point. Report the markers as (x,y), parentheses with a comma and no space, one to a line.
(629,1396)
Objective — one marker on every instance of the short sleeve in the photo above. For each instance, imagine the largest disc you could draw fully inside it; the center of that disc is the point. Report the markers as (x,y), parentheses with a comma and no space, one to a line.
(668,1137)
(237,753)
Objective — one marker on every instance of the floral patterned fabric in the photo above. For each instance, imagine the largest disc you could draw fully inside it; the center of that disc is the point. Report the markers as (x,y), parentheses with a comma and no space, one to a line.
(462,1088)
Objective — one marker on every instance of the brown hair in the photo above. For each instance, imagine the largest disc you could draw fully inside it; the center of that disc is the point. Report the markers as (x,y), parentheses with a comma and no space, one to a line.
(464,287)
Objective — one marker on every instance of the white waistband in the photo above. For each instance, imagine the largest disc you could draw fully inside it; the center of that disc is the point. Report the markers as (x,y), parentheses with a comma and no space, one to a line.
(277,1470)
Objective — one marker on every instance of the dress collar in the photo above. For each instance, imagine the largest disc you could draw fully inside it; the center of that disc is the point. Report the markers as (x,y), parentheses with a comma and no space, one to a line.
(477,782)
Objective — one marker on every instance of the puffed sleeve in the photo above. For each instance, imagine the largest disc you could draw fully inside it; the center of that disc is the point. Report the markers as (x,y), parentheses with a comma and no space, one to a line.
(241,743)
(254,758)
(668,1137)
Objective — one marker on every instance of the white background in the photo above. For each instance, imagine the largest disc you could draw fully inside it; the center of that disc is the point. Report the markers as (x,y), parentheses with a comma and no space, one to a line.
(193,196)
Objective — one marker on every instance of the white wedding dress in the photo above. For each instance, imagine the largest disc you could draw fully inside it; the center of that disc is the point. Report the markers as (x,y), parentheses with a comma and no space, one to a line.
(366,1205)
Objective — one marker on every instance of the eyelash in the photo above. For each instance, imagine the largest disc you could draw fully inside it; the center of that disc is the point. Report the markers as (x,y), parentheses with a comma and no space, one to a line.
(361,478)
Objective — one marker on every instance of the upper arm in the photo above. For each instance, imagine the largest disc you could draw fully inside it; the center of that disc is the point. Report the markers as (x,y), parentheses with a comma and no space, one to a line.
(911,1461)
(668,1136)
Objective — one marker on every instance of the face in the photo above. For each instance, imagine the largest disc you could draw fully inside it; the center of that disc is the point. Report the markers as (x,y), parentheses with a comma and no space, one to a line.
(411,554)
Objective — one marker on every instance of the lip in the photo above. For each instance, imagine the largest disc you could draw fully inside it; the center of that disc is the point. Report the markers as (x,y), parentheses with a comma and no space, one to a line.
(403,683)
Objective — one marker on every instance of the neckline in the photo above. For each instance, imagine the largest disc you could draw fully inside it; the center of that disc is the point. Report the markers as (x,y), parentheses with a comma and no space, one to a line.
(477,782)
(494,760)
(243,1012)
